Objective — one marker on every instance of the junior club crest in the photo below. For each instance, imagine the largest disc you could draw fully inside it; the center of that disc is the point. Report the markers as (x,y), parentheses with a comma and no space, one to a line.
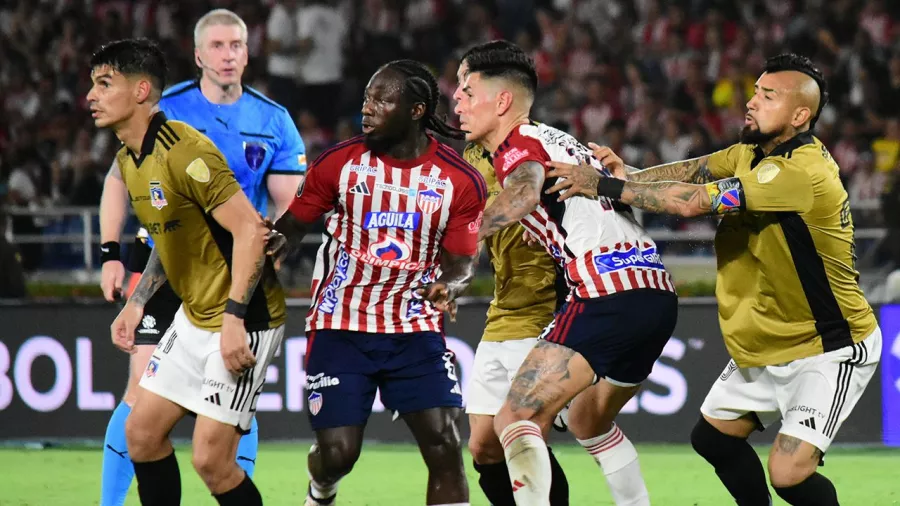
(429,200)
(254,154)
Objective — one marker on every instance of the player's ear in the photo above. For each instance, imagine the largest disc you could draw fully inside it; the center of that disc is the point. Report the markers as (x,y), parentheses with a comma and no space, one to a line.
(801,116)
(418,111)
(197,61)
(504,102)
(143,90)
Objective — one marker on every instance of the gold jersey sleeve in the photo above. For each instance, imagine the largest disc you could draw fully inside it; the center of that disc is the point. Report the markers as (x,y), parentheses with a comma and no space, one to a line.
(175,185)
(525,278)
(724,163)
(787,284)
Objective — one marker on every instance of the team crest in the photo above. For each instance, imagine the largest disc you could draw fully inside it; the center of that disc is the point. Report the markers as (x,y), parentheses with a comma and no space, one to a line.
(157,197)
(255,154)
(152,367)
(315,403)
(429,200)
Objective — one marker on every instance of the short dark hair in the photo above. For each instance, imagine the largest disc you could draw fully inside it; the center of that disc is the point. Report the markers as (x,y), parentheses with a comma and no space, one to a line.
(802,64)
(134,57)
(420,85)
(501,58)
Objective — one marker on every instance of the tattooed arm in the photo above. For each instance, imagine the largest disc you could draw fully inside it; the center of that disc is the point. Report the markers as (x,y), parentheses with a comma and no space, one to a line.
(520,196)
(153,277)
(457,271)
(695,170)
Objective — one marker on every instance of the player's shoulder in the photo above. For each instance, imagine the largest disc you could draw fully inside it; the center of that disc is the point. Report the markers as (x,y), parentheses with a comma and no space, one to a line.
(263,101)
(180,91)
(185,143)
(802,153)
(479,158)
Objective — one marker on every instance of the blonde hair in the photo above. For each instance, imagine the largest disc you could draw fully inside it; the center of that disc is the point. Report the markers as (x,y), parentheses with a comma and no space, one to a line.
(219,17)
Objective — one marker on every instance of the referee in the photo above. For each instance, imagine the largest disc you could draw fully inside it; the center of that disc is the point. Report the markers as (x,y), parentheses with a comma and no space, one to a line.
(803,340)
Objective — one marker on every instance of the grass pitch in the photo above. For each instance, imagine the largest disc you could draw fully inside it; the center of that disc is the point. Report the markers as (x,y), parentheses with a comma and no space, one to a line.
(395,475)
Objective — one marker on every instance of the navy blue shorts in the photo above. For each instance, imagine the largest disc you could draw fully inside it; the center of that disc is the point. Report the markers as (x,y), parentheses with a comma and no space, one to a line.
(620,335)
(414,372)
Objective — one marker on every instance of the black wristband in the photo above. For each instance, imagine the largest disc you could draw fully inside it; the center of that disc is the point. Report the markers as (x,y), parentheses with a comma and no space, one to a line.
(235,308)
(610,187)
(109,251)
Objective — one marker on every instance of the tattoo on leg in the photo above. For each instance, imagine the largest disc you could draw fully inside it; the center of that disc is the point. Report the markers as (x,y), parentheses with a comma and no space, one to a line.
(538,380)
(788,444)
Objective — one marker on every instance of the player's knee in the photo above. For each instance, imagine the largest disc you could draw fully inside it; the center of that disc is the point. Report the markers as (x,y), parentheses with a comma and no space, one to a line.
(211,463)
(338,457)
(486,450)
(442,447)
(141,438)
(785,471)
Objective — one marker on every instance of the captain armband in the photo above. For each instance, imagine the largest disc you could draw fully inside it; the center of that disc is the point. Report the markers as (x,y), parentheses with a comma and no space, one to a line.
(726,196)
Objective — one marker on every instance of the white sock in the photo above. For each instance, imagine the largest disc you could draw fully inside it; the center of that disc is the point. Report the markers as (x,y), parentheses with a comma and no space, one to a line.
(319,491)
(528,462)
(619,461)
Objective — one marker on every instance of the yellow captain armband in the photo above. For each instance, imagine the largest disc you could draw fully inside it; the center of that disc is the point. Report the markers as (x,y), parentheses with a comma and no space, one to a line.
(726,196)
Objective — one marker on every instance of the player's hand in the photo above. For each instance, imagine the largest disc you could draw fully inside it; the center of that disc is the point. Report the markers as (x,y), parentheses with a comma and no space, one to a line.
(112,274)
(122,328)
(574,179)
(530,239)
(276,246)
(234,346)
(610,160)
(439,295)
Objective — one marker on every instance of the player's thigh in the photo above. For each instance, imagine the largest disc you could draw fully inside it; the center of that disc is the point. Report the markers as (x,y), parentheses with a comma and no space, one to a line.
(593,411)
(231,399)
(419,374)
(148,425)
(816,394)
(550,377)
(339,379)
(158,316)
(741,401)
(496,362)
(613,333)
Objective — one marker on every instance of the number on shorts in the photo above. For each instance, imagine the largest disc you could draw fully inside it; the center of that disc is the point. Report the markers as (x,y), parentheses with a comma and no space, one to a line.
(451,372)
(547,330)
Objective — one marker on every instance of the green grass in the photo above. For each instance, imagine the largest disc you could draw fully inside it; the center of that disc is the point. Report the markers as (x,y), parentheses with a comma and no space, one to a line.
(395,475)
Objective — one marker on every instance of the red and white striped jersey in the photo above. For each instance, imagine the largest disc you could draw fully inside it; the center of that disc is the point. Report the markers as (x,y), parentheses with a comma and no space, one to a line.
(391,220)
(601,247)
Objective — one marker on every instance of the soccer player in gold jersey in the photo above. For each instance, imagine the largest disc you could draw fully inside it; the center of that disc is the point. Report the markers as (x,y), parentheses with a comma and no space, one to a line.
(803,339)
(210,245)
(528,288)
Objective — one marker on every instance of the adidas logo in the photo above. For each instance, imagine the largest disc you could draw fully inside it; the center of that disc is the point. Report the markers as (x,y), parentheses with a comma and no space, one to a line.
(214,398)
(809,422)
(361,189)
(516,485)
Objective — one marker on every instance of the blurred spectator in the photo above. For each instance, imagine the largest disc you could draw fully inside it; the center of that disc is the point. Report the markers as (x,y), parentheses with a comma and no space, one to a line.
(847,150)
(321,30)
(890,209)
(284,60)
(673,146)
(315,139)
(600,108)
(866,187)
(887,147)
(12,276)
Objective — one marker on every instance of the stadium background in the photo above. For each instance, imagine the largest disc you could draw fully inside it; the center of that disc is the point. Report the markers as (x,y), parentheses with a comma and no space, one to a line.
(657,80)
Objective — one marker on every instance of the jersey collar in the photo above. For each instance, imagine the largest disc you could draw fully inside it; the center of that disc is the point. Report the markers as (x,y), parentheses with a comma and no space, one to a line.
(784,148)
(147,145)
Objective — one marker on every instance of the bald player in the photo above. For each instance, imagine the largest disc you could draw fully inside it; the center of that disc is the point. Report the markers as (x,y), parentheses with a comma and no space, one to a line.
(803,340)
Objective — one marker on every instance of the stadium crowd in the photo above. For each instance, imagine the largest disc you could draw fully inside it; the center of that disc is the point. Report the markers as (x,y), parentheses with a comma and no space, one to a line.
(656,80)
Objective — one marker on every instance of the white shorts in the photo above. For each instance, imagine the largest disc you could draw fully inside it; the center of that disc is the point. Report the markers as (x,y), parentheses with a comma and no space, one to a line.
(495,366)
(187,369)
(813,396)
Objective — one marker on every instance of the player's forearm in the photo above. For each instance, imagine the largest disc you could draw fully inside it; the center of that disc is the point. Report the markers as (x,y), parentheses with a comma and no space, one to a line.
(520,196)
(682,199)
(457,271)
(113,206)
(694,171)
(247,260)
(292,229)
(154,276)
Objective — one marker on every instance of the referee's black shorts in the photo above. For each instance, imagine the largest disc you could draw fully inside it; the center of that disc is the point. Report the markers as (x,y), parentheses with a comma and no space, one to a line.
(162,306)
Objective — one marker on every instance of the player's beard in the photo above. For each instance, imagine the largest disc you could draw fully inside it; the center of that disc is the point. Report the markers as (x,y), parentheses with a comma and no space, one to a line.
(757,136)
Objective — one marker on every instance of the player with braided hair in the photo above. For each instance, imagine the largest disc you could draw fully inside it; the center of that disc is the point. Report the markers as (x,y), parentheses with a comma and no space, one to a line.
(399,248)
